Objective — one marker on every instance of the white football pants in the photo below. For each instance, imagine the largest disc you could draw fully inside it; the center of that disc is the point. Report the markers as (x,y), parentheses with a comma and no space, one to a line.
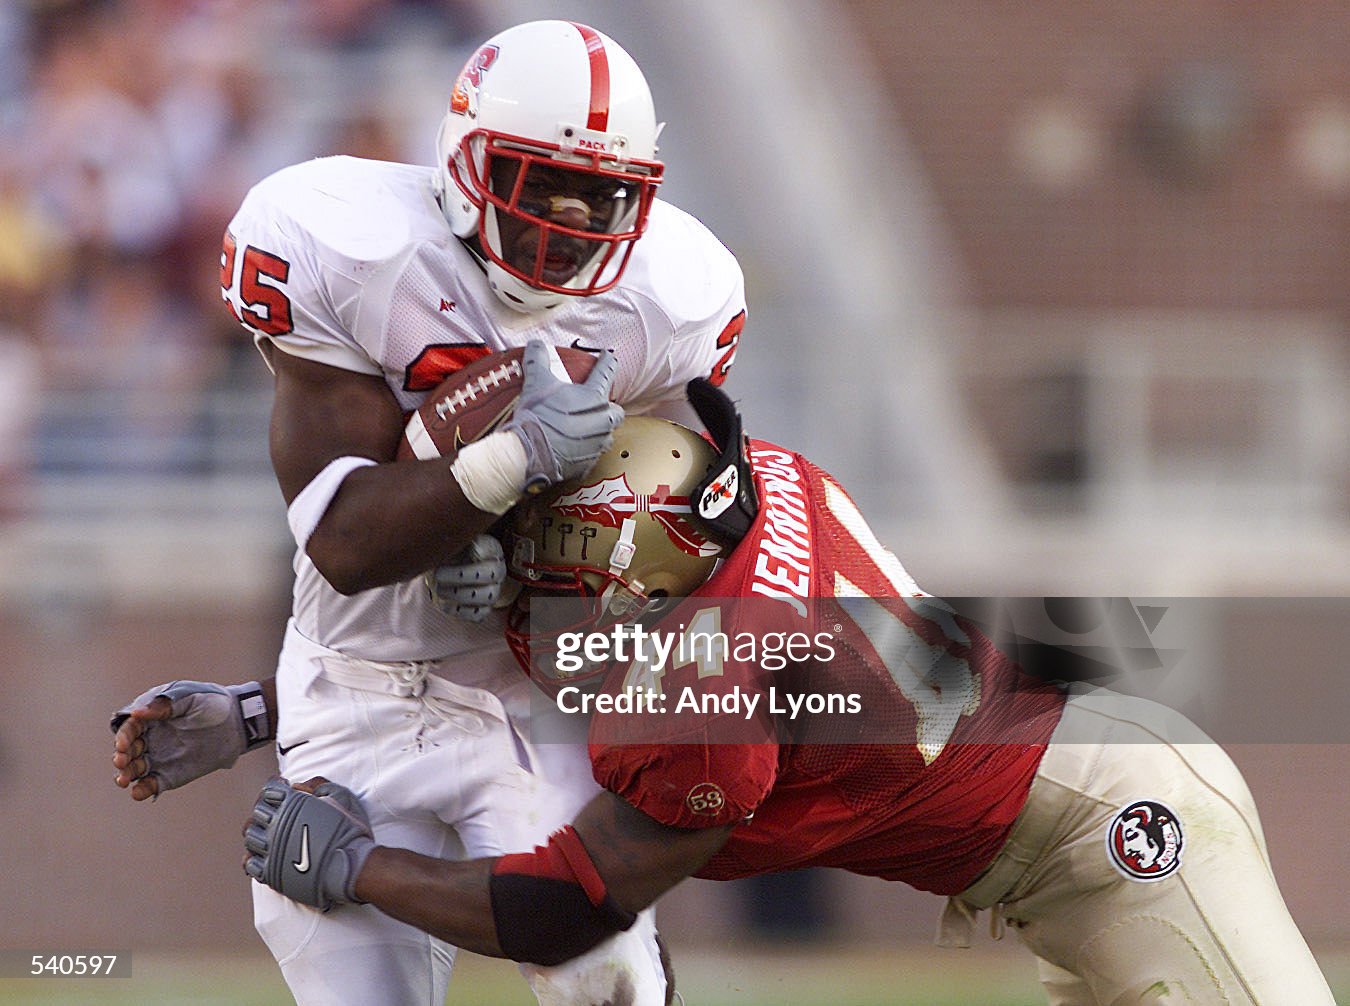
(441,771)
(1207,926)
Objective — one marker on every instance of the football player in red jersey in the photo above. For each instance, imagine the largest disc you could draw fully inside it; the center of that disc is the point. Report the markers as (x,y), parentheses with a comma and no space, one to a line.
(942,763)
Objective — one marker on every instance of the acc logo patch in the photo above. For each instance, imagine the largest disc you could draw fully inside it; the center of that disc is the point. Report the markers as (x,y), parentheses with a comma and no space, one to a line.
(706,798)
(1144,841)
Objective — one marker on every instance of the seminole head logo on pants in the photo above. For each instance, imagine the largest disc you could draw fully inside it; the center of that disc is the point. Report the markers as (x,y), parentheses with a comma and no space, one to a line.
(1144,841)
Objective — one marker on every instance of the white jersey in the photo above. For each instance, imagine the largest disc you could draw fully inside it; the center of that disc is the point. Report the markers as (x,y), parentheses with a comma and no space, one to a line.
(351,263)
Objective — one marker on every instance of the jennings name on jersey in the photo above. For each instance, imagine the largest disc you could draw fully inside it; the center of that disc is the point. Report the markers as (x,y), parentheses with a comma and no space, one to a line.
(916,775)
(351,263)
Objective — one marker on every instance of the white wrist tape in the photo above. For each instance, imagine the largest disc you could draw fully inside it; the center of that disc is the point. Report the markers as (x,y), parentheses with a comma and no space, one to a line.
(491,471)
(308,508)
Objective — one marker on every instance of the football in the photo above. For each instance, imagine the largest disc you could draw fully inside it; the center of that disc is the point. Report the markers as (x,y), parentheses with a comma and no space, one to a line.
(474,400)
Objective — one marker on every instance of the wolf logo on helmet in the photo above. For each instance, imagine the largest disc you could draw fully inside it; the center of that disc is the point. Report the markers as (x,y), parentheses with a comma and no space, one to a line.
(471,77)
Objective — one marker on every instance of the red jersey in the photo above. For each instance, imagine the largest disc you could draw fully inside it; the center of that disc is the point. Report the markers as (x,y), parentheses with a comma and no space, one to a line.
(827,707)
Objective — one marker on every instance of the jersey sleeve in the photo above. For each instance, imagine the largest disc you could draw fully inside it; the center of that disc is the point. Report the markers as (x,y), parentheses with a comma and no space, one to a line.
(697,294)
(689,782)
(705,752)
(284,279)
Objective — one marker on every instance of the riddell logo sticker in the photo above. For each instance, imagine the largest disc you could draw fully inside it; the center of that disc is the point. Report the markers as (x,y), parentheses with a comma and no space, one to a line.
(718,496)
(706,798)
(1144,841)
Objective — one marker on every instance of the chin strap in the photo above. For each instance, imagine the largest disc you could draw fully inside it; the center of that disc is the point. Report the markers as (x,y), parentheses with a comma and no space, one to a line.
(725,501)
(620,600)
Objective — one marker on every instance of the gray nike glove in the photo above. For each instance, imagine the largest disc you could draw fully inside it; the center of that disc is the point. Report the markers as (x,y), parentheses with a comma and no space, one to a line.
(308,847)
(470,588)
(211,725)
(563,426)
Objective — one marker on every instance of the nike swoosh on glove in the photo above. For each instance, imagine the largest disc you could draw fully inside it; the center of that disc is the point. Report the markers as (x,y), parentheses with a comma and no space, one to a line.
(309,847)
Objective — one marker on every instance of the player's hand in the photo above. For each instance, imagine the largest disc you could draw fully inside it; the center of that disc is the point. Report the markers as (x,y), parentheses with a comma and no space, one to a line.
(183,730)
(471,587)
(308,842)
(564,426)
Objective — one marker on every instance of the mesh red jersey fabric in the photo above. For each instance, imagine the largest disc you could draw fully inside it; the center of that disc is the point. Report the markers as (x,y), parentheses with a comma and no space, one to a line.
(917,778)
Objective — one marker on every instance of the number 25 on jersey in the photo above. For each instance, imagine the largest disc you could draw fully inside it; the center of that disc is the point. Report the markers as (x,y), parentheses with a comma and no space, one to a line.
(255,295)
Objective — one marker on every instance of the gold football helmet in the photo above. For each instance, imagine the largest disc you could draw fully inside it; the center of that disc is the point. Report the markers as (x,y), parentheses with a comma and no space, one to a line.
(626,539)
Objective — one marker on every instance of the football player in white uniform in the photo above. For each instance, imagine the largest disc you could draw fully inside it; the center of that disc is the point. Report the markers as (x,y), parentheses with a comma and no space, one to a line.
(364,284)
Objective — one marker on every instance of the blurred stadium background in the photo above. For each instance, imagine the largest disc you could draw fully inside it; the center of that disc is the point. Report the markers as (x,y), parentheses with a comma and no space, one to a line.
(1060,290)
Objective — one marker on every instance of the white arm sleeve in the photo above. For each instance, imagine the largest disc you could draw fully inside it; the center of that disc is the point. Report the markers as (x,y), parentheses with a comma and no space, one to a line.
(308,508)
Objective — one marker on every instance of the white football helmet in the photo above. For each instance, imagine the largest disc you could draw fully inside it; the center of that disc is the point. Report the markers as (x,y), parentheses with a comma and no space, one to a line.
(547,157)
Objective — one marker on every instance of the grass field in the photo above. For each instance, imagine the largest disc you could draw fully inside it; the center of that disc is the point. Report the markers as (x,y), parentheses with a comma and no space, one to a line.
(813,976)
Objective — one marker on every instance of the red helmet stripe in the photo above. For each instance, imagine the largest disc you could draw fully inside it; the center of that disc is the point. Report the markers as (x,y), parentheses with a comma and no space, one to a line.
(595,50)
